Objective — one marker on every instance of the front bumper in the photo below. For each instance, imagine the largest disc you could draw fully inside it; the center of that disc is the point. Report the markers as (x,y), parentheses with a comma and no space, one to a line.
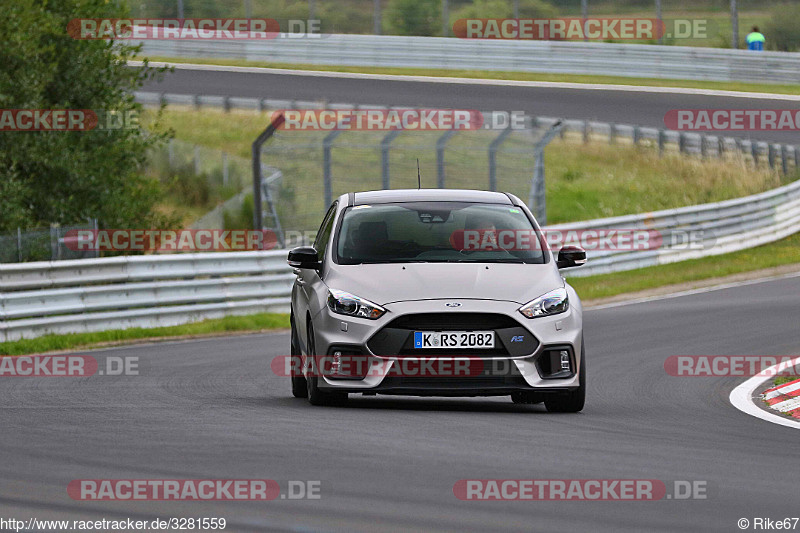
(518,366)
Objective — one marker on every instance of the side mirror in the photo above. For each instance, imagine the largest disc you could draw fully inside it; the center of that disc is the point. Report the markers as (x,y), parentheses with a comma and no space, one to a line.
(304,257)
(571,256)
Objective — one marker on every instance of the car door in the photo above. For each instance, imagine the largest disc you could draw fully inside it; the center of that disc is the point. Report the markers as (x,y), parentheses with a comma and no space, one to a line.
(309,292)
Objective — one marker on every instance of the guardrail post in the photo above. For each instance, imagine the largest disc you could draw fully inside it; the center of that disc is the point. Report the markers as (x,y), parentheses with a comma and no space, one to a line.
(771,155)
(720,147)
(385,142)
(196,101)
(226,103)
(586,131)
(612,133)
(784,160)
(495,144)
(682,142)
(662,139)
(440,144)
(754,152)
(637,135)
(703,150)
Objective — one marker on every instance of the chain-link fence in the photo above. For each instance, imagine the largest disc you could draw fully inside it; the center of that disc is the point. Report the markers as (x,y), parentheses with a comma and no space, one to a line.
(53,244)
(319,166)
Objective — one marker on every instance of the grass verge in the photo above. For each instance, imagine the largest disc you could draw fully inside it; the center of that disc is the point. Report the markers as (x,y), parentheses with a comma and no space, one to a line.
(502,75)
(584,181)
(780,380)
(76,341)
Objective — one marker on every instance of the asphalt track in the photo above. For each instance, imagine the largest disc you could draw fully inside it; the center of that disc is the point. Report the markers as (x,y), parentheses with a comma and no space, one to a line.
(640,108)
(213,409)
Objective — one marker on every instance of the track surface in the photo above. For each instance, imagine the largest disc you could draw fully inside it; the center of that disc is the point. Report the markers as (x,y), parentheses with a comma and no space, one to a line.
(640,108)
(213,409)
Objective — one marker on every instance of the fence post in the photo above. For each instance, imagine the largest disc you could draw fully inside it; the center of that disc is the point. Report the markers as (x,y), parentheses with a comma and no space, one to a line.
(327,142)
(196,160)
(385,142)
(53,243)
(225,174)
(537,201)
(255,150)
(440,145)
(493,146)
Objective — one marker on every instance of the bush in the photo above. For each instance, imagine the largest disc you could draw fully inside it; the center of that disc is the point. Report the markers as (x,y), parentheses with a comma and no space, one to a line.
(413,17)
(783,29)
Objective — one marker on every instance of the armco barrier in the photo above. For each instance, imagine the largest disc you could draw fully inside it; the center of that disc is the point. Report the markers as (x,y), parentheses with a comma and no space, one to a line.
(139,291)
(609,59)
(162,290)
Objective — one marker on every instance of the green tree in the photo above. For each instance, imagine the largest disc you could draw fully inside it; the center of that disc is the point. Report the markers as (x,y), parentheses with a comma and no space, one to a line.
(413,17)
(67,177)
(783,29)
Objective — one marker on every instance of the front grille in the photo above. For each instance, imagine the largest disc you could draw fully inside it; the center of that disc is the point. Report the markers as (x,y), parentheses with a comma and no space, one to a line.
(397,337)
(453,321)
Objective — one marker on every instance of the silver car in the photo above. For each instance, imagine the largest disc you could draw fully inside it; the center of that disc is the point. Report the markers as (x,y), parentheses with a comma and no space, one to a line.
(435,292)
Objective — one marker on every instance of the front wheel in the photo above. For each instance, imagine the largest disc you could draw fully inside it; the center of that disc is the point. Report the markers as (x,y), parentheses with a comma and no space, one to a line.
(573,401)
(299,387)
(315,395)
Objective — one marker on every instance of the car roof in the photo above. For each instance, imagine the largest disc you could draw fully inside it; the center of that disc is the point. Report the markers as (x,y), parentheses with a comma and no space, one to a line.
(430,195)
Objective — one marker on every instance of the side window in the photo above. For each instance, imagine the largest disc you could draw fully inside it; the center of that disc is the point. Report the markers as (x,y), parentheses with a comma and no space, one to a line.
(324,234)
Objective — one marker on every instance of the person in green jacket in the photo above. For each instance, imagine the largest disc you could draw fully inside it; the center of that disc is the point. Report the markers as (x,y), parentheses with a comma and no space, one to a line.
(755,40)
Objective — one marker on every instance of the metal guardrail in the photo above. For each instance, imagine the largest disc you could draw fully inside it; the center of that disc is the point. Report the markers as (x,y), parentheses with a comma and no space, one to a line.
(139,291)
(161,290)
(610,59)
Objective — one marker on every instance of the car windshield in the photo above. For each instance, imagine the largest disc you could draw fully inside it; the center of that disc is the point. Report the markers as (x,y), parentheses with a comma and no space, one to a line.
(440,232)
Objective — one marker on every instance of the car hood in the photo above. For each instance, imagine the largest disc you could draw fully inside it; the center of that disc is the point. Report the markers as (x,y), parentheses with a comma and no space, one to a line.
(388,283)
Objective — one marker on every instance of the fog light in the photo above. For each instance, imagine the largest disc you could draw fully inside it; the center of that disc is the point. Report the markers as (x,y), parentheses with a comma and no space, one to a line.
(564,360)
(336,364)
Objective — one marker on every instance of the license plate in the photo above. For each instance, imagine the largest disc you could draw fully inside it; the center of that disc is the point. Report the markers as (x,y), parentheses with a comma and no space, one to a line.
(453,339)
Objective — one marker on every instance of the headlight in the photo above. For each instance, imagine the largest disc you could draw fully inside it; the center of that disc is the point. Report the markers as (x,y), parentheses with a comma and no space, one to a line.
(345,303)
(552,303)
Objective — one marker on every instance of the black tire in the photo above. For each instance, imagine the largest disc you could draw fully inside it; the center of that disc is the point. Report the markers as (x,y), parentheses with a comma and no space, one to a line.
(299,386)
(573,401)
(529,398)
(315,395)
